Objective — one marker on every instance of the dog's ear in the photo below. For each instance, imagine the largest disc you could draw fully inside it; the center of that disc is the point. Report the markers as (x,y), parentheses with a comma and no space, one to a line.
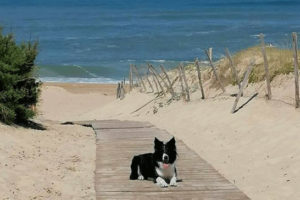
(157,142)
(172,141)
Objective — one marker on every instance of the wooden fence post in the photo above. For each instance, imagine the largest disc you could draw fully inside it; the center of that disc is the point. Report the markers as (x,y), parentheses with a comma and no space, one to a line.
(234,72)
(156,77)
(167,76)
(263,50)
(296,69)
(214,71)
(181,83)
(150,72)
(148,81)
(161,78)
(210,52)
(185,82)
(245,81)
(199,78)
(139,77)
(118,90)
(122,88)
(130,79)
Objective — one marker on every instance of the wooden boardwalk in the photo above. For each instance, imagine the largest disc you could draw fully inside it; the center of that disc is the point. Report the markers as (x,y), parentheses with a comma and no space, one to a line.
(119,141)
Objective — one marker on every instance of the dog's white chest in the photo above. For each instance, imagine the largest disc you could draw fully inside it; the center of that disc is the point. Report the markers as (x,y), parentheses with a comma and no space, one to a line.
(166,173)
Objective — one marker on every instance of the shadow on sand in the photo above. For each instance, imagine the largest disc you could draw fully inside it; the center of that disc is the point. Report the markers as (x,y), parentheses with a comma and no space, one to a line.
(255,95)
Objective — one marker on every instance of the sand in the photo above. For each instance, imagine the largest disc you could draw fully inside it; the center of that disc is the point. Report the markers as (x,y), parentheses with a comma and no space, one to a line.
(256,148)
(66,101)
(59,162)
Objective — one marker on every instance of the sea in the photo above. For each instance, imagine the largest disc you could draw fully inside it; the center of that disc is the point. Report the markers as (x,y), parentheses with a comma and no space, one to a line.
(95,41)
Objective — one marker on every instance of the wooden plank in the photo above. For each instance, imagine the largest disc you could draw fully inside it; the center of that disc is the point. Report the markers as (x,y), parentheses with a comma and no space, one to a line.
(87,122)
(132,185)
(103,135)
(177,195)
(120,125)
(296,69)
(266,65)
(245,81)
(199,180)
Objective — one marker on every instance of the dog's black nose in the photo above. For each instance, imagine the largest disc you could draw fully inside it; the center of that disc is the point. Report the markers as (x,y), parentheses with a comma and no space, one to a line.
(166,157)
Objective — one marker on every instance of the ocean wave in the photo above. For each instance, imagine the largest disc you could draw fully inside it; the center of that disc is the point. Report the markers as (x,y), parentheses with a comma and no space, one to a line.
(78,80)
(204,62)
(87,38)
(256,35)
(205,32)
(88,72)
(157,61)
(72,38)
(111,46)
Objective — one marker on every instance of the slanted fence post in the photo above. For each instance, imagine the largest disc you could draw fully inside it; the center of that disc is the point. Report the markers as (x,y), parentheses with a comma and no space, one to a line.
(214,71)
(185,82)
(156,77)
(146,75)
(181,83)
(161,78)
(139,77)
(118,90)
(199,78)
(122,88)
(245,81)
(150,72)
(266,65)
(130,78)
(296,69)
(234,72)
(210,52)
(170,87)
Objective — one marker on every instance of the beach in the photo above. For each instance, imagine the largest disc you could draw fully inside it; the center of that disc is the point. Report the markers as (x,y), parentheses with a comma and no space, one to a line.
(256,148)
(81,50)
(59,162)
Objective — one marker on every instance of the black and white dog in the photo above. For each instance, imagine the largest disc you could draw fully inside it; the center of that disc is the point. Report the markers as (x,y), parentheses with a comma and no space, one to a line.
(159,166)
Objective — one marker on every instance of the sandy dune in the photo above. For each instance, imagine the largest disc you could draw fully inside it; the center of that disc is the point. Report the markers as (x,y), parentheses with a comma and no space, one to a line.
(57,163)
(256,148)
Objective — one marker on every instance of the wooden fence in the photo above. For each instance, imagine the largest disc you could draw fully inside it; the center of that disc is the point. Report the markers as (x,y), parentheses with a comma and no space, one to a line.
(164,85)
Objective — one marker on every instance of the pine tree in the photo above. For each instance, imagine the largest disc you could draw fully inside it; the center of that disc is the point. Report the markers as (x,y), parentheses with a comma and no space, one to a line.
(19,90)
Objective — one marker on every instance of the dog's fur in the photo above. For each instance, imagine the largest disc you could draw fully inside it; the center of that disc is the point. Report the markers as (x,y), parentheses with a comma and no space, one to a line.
(159,166)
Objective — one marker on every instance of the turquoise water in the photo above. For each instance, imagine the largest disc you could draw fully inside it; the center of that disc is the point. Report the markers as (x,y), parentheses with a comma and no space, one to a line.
(96,40)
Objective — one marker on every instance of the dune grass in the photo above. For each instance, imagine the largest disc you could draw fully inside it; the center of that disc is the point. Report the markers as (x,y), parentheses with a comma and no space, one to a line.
(280,61)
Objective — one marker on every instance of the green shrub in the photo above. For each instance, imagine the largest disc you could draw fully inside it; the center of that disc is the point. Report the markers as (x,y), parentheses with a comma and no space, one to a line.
(19,90)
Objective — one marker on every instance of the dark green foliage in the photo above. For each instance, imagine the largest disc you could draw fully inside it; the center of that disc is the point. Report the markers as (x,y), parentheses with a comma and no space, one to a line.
(18,88)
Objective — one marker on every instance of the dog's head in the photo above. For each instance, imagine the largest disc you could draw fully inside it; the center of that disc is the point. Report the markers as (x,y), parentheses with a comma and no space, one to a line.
(165,152)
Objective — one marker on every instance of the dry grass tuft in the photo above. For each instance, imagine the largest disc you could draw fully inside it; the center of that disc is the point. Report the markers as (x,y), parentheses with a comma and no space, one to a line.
(280,62)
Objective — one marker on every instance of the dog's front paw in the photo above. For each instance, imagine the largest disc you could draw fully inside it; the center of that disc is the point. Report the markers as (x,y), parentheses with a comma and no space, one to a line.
(161,182)
(173,182)
(141,177)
